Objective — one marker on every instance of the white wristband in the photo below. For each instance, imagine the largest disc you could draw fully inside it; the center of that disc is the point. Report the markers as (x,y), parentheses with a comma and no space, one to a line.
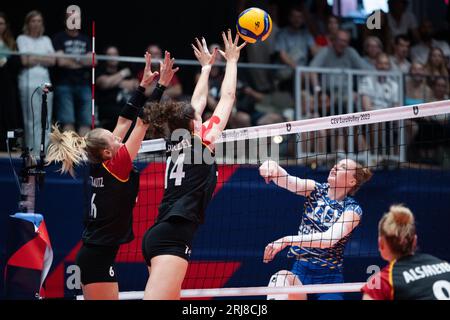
(207,67)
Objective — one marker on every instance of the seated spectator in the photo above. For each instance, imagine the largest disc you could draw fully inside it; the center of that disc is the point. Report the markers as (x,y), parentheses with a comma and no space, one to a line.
(325,39)
(436,65)
(440,90)
(9,104)
(339,55)
(73,81)
(421,50)
(33,74)
(115,84)
(294,44)
(379,92)
(383,33)
(417,90)
(399,60)
(372,48)
(175,89)
(400,20)
(246,103)
(320,13)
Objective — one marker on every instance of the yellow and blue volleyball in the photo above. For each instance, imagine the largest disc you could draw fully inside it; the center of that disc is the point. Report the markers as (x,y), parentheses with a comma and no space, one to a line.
(254,25)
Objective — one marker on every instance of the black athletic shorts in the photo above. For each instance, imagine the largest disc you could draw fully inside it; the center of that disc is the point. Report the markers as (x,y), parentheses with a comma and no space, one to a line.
(96,263)
(170,237)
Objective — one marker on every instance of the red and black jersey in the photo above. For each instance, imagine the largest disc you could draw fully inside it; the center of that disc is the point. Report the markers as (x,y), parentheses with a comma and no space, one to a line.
(415,277)
(114,186)
(190,179)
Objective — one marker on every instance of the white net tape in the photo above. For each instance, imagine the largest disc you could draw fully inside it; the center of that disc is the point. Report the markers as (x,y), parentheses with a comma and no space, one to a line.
(253,291)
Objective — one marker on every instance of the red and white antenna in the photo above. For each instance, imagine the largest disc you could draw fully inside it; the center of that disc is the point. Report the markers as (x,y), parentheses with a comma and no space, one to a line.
(93,75)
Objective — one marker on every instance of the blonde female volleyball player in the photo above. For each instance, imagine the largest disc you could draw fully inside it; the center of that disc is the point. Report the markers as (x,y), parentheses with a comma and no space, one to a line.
(113,181)
(330,216)
(409,275)
(190,173)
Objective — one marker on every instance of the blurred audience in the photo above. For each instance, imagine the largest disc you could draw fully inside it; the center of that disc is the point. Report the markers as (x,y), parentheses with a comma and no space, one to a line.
(421,50)
(436,65)
(175,90)
(294,45)
(372,48)
(440,90)
(401,20)
(33,74)
(399,60)
(417,90)
(332,28)
(73,98)
(379,92)
(10,114)
(115,83)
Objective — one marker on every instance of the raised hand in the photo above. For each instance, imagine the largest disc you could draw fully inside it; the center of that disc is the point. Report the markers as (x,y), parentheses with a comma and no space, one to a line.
(148,76)
(166,70)
(202,53)
(232,50)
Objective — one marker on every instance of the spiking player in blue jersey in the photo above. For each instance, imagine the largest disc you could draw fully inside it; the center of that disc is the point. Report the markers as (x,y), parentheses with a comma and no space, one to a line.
(330,215)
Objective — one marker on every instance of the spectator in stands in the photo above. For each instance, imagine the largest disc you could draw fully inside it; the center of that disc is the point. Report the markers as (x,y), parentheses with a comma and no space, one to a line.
(73,80)
(320,13)
(379,92)
(372,48)
(339,55)
(332,28)
(263,51)
(417,90)
(33,75)
(294,44)
(399,60)
(246,106)
(436,65)
(420,52)
(383,33)
(400,20)
(175,90)
(9,111)
(440,90)
(115,84)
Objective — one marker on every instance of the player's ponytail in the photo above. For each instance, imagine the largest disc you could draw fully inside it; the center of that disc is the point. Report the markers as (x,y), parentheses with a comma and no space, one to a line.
(66,147)
(70,149)
(399,229)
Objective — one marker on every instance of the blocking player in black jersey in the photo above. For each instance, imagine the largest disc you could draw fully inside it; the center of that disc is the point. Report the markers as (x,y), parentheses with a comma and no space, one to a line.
(113,182)
(409,275)
(191,172)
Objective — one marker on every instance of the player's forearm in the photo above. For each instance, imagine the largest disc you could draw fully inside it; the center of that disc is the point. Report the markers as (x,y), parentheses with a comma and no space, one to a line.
(322,240)
(228,89)
(200,95)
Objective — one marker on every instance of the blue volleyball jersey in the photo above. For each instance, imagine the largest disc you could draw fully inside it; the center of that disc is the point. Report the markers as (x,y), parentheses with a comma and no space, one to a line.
(320,213)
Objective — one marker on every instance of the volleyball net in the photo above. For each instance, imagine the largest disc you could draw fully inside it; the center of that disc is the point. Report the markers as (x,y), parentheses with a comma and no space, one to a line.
(407,148)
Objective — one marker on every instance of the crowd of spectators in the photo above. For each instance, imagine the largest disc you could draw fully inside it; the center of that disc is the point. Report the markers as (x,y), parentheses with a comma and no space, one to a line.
(309,34)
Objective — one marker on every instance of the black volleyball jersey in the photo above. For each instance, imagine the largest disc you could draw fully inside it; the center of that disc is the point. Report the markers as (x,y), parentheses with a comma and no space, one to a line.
(108,219)
(190,180)
(416,277)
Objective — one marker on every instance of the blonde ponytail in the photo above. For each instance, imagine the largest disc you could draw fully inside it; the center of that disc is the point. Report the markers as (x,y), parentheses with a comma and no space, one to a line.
(398,227)
(67,148)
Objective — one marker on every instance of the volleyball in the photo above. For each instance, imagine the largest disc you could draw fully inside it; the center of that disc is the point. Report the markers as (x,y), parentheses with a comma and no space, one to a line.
(254,25)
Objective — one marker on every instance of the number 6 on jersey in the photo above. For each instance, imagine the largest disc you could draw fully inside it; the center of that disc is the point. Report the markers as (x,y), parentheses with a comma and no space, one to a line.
(176,172)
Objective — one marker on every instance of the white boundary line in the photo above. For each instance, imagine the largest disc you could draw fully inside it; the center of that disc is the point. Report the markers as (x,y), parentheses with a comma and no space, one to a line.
(322,123)
(252,291)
